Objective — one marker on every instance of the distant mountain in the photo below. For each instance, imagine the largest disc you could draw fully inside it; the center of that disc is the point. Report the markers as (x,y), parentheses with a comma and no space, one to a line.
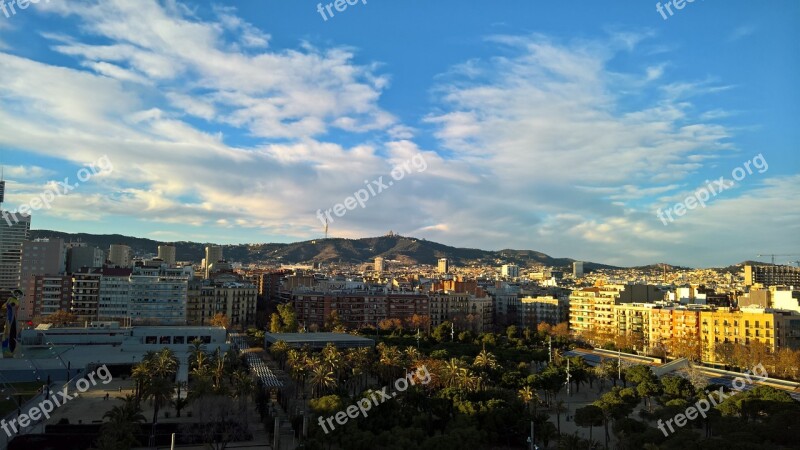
(407,250)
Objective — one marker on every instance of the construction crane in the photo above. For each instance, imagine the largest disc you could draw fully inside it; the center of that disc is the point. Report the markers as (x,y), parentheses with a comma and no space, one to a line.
(774,255)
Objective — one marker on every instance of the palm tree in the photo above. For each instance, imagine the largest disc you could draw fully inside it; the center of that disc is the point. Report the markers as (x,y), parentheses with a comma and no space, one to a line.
(129,412)
(278,351)
(389,360)
(120,430)
(412,356)
(159,391)
(559,407)
(332,359)
(485,360)
(451,372)
(140,374)
(243,386)
(526,394)
(197,354)
(218,370)
(164,364)
(321,379)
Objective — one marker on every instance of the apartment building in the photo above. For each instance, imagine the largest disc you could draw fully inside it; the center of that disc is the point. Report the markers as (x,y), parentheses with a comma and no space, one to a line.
(669,323)
(114,294)
(771,275)
(633,320)
(85,293)
(738,327)
(548,309)
(591,310)
(158,295)
(235,299)
(49,294)
(448,306)
(358,308)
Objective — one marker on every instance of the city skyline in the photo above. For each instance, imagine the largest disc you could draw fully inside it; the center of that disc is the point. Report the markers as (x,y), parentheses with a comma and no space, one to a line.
(226,125)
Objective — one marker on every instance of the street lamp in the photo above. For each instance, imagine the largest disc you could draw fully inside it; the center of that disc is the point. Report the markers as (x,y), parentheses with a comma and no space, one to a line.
(58,355)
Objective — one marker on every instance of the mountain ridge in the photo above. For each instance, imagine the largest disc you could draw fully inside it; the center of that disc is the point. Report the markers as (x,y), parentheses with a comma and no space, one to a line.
(406,250)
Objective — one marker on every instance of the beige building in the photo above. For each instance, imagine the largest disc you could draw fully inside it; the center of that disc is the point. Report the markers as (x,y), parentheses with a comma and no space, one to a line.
(443,265)
(548,309)
(166,253)
(237,301)
(120,255)
(591,310)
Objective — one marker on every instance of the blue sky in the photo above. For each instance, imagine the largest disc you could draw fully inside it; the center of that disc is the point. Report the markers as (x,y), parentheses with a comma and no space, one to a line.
(555,126)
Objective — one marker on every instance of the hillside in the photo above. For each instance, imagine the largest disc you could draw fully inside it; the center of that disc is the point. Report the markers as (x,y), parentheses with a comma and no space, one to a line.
(404,249)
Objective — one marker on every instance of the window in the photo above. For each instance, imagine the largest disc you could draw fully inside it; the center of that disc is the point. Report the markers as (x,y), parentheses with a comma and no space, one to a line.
(150,340)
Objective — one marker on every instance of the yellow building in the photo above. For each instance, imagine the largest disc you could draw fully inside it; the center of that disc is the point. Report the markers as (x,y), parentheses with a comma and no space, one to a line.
(633,320)
(591,310)
(738,327)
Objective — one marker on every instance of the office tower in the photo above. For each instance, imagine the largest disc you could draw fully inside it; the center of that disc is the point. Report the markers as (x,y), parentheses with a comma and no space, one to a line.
(771,275)
(379,264)
(510,271)
(577,269)
(43,257)
(213,256)
(81,255)
(14,229)
(120,255)
(166,253)
(39,257)
(444,265)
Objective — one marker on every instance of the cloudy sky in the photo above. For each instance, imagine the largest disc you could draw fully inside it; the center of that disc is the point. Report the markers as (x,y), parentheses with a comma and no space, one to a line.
(557,126)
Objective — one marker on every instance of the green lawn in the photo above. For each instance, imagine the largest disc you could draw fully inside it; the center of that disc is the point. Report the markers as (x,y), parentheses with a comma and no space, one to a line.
(26,390)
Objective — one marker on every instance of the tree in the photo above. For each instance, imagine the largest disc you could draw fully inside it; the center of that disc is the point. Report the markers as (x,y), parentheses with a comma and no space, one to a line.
(561,330)
(442,332)
(278,351)
(285,320)
(120,431)
(559,407)
(512,331)
(160,391)
(220,320)
(61,317)
(322,380)
(218,421)
(675,387)
(589,416)
(334,323)
(647,384)
(485,360)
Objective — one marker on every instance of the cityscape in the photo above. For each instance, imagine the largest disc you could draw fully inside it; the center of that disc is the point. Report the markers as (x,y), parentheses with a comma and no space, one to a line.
(363,225)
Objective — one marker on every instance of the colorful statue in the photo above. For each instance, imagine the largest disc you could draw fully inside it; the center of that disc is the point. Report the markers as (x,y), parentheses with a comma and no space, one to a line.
(10,331)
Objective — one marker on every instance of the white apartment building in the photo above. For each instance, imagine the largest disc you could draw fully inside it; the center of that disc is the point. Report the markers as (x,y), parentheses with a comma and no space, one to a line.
(114,296)
(158,295)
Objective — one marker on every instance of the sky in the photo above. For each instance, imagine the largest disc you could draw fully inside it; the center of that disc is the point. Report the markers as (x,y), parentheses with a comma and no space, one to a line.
(562,127)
